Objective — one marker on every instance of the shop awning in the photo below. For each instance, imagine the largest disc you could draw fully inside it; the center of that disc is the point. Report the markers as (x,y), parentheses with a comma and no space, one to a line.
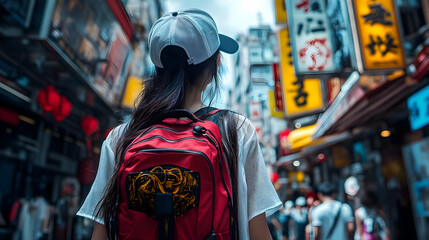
(302,142)
(357,104)
(300,137)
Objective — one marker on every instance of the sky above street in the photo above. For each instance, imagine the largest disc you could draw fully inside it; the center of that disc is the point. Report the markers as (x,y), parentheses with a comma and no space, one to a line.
(232,17)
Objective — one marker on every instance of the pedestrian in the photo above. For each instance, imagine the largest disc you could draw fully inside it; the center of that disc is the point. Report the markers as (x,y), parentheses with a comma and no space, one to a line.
(312,202)
(300,216)
(185,48)
(332,219)
(370,223)
(287,220)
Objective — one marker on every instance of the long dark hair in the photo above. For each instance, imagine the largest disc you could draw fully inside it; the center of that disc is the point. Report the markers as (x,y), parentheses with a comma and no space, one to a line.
(163,92)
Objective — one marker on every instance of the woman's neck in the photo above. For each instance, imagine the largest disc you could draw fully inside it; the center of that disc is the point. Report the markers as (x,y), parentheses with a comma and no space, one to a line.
(193,101)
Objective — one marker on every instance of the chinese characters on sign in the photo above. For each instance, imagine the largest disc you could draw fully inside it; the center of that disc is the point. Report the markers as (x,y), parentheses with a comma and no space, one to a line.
(382,46)
(300,96)
(378,34)
(312,36)
(378,15)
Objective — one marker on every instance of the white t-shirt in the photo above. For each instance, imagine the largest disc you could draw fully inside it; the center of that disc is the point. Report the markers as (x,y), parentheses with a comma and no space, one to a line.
(324,215)
(257,194)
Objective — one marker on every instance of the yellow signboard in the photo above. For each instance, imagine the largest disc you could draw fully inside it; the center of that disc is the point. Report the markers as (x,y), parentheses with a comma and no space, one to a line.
(280,11)
(272,101)
(378,34)
(296,176)
(132,91)
(300,96)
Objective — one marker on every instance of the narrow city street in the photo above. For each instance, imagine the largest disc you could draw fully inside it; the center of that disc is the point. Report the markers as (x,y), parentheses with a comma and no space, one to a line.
(114,121)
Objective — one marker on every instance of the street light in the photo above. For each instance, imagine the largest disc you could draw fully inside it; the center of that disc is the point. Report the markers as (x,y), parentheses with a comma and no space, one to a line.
(296,163)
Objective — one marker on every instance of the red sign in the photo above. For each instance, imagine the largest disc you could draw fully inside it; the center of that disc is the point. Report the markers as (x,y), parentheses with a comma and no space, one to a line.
(277,88)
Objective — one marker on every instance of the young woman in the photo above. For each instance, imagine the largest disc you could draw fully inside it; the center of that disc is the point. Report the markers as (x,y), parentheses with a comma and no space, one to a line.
(370,223)
(185,48)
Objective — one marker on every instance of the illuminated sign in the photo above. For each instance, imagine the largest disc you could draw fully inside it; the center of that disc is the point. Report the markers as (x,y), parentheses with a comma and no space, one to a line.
(376,35)
(273,109)
(88,37)
(132,91)
(280,11)
(312,46)
(301,96)
(418,106)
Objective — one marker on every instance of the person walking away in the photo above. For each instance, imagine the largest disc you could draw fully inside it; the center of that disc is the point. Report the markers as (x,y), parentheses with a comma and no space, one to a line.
(287,221)
(312,202)
(274,225)
(332,219)
(168,161)
(370,224)
(300,216)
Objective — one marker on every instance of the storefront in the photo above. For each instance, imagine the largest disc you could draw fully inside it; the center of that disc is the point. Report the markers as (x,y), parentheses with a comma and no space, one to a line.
(63,69)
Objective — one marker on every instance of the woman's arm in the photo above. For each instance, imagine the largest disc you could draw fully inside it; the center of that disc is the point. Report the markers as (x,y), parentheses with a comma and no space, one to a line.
(99,232)
(258,228)
(359,228)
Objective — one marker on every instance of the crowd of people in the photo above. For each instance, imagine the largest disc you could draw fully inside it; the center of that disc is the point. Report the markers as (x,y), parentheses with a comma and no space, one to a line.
(320,216)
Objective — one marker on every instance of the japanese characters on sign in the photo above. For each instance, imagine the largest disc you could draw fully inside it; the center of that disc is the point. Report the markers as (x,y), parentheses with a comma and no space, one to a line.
(378,34)
(301,96)
(312,45)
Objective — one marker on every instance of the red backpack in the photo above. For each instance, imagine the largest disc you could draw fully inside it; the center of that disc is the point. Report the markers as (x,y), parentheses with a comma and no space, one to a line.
(174,182)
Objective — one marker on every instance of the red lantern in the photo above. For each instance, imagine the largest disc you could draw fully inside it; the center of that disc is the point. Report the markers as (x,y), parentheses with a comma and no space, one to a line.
(63,110)
(49,99)
(274,177)
(89,125)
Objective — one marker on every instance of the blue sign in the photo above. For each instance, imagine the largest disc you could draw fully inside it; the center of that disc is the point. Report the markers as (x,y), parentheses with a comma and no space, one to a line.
(418,106)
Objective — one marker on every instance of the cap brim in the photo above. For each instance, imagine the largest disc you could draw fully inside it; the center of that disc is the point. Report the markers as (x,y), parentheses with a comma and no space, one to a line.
(227,44)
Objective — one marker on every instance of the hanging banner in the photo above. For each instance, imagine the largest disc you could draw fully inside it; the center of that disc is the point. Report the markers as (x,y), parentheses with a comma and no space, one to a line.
(280,11)
(277,88)
(376,34)
(301,96)
(312,46)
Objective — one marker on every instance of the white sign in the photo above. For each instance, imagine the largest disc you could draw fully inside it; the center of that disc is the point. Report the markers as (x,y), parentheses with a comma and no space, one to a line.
(311,35)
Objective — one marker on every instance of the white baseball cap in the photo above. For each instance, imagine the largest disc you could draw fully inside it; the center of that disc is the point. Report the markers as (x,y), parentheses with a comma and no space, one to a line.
(300,201)
(194,31)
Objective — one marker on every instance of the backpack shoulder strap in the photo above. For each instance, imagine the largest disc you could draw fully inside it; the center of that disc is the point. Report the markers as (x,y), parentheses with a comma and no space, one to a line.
(216,116)
(337,217)
(212,114)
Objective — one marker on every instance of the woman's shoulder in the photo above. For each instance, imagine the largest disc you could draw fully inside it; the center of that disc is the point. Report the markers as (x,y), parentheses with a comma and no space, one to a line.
(246,131)
(116,133)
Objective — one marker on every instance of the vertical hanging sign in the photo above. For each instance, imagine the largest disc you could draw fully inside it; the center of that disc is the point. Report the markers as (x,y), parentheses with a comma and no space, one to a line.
(280,11)
(300,96)
(312,46)
(376,34)
(277,88)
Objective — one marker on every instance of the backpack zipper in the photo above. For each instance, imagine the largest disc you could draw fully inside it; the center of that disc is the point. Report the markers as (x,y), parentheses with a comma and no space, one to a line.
(168,140)
(158,127)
